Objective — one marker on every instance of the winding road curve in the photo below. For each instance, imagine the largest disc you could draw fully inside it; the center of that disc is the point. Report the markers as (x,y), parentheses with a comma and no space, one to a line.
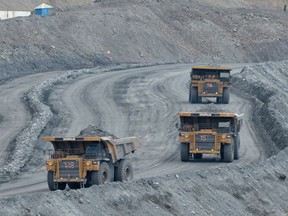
(140,102)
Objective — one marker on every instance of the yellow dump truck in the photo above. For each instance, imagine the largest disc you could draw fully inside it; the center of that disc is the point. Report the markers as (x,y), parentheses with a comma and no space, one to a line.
(85,161)
(210,81)
(209,133)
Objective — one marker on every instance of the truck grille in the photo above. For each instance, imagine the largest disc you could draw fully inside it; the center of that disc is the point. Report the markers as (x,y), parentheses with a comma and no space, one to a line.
(69,169)
(210,87)
(205,141)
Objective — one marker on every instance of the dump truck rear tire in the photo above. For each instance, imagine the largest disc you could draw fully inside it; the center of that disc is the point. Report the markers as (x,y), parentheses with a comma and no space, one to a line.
(226,95)
(184,152)
(236,147)
(228,152)
(198,156)
(102,176)
(123,171)
(219,99)
(89,181)
(61,185)
(194,95)
(74,185)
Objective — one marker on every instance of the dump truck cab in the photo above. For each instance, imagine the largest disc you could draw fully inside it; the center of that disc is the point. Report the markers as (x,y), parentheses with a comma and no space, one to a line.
(209,133)
(85,161)
(210,81)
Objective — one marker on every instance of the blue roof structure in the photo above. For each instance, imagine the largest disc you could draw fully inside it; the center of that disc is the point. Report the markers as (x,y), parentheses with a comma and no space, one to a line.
(43,9)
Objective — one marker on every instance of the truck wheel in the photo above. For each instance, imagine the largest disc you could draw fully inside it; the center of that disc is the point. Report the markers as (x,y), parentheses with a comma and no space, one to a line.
(198,156)
(61,185)
(228,152)
(102,176)
(74,185)
(54,185)
(219,99)
(88,182)
(123,171)
(184,152)
(226,95)
(222,152)
(236,147)
(194,95)
(50,180)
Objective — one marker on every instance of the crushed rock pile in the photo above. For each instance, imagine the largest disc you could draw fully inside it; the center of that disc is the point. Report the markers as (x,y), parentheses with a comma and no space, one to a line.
(93,131)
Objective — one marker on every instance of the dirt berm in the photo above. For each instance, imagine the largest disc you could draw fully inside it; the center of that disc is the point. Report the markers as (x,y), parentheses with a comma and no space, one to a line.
(258,188)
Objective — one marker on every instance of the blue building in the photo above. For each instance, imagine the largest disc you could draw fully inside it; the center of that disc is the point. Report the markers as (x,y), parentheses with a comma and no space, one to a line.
(43,9)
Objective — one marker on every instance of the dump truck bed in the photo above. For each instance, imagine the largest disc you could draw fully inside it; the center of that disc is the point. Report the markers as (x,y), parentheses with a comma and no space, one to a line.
(216,68)
(118,148)
(200,114)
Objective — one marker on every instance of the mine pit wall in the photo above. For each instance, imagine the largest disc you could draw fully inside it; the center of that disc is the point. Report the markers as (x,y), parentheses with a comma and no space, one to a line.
(267,84)
(276,50)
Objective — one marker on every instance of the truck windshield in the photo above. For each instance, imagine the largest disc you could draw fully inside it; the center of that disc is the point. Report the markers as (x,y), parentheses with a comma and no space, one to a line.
(91,149)
(198,74)
(196,124)
(224,76)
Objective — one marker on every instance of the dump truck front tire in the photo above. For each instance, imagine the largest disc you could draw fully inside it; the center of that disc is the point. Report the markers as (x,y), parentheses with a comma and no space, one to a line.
(54,185)
(102,176)
(228,152)
(50,180)
(184,153)
(226,95)
(123,171)
(194,95)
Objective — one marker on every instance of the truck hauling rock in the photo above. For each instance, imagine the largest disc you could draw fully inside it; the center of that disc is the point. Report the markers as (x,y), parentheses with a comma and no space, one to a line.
(89,159)
(209,133)
(210,81)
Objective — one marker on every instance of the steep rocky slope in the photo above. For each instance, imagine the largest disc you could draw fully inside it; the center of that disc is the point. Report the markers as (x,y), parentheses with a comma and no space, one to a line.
(115,32)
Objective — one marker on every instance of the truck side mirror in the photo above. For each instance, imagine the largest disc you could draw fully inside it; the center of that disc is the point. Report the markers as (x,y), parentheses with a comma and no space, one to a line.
(177,125)
(239,124)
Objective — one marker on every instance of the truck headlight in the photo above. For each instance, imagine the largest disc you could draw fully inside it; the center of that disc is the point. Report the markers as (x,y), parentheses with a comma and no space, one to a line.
(49,163)
(88,163)
(223,136)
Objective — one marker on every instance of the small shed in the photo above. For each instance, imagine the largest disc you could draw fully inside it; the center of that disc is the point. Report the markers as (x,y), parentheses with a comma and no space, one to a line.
(43,9)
